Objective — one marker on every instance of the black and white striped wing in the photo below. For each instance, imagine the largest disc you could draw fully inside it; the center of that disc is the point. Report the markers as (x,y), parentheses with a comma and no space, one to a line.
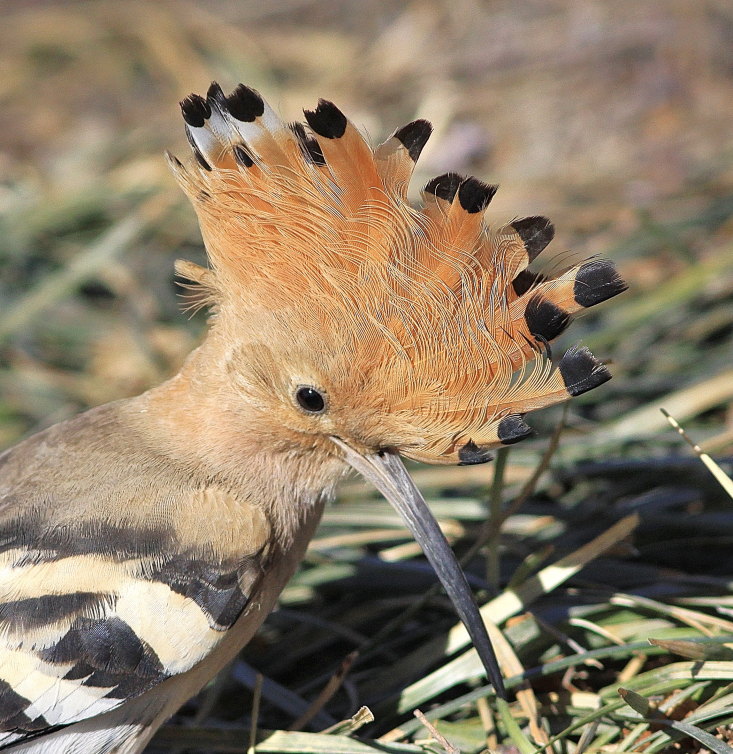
(86,627)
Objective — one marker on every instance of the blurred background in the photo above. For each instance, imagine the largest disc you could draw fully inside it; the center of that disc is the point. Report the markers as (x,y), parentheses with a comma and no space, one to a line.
(615,119)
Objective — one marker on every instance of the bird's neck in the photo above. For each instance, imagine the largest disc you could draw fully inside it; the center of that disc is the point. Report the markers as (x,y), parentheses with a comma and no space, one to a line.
(203,422)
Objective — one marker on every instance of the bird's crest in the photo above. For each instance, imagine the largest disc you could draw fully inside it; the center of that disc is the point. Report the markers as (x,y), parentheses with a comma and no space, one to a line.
(428,311)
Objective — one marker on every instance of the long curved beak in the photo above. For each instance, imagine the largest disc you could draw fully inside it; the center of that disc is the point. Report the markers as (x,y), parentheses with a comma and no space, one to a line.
(387,473)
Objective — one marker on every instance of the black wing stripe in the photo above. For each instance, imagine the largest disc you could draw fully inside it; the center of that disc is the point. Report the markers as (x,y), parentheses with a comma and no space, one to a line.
(12,712)
(215,591)
(26,614)
(108,645)
(46,543)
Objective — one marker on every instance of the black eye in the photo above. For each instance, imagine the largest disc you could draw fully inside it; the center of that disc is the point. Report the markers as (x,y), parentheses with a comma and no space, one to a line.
(310,399)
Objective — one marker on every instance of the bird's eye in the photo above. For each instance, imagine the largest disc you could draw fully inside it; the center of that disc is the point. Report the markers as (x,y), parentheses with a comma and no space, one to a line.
(310,400)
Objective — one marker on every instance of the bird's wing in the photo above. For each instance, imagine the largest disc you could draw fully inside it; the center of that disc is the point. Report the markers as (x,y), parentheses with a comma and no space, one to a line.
(96,614)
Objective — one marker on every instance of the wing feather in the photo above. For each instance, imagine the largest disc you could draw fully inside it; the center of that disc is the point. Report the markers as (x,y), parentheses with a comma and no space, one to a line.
(68,656)
(96,615)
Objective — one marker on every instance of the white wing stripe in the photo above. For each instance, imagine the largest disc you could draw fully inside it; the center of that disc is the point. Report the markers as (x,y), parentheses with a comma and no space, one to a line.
(167,622)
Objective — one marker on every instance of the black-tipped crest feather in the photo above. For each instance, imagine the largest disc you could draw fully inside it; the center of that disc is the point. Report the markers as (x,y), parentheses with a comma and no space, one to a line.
(326,120)
(196,152)
(444,186)
(310,147)
(215,94)
(597,281)
(195,110)
(536,233)
(475,195)
(581,371)
(245,104)
(525,281)
(471,454)
(512,429)
(545,319)
(414,136)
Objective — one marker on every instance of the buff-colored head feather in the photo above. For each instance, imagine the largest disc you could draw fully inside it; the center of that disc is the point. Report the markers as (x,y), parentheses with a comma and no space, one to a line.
(423,326)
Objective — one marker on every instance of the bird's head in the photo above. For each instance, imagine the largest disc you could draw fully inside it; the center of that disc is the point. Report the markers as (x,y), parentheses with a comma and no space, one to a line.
(364,327)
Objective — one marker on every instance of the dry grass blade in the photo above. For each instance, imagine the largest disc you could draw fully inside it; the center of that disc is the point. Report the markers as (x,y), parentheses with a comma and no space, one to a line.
(282,742)
(694,650)
(363,716)
(706,624)
(436,734)
(722,478)
(256,697)
(587,737)
(333,685)
(651,713)
(688,402)
(512,667)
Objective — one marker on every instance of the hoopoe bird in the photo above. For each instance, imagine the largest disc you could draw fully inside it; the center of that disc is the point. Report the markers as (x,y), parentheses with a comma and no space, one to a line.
(143,542)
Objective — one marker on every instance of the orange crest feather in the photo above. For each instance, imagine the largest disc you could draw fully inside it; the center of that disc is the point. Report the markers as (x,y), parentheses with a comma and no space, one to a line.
(429,318)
